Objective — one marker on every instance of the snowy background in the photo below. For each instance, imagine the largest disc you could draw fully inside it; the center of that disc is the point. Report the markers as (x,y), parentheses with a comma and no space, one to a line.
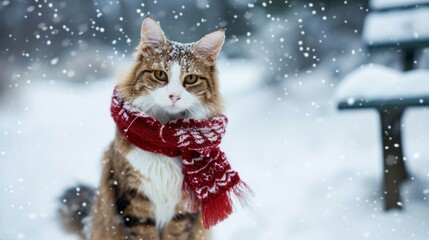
(316,171)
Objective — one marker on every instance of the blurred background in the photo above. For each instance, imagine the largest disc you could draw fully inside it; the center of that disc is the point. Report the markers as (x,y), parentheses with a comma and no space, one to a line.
(317,172)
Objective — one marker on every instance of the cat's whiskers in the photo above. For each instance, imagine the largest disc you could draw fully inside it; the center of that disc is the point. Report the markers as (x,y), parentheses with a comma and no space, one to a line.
(153,105)
(126,130)
(198,112)
(153,110)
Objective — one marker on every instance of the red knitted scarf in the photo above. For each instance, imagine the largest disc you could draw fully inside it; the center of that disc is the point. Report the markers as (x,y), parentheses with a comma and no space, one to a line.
(208,177)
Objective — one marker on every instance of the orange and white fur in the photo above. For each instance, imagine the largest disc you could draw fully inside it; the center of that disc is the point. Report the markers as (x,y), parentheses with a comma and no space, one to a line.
(140,193)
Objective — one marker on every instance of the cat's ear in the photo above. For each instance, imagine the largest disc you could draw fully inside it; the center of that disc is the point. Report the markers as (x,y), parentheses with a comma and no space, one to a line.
(208,47)
(151,33)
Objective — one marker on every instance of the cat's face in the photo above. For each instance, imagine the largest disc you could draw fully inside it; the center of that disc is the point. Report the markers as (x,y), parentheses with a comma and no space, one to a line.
(171,80)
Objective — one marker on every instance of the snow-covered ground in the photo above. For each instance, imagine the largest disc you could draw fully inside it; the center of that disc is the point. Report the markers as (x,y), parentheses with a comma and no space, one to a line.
(316,172)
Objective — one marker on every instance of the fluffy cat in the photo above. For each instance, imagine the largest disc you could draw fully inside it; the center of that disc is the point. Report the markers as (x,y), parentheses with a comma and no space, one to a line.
(140,193)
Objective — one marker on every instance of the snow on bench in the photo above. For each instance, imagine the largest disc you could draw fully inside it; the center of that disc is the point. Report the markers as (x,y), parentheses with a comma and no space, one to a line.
(376,82)
(397,24)
(383,4)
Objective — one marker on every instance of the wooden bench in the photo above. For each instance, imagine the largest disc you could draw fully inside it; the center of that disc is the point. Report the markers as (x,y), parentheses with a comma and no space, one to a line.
(380,33)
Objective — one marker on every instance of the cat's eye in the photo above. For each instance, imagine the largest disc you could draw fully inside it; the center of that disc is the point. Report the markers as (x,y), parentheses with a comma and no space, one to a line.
(191,79)
(161,75)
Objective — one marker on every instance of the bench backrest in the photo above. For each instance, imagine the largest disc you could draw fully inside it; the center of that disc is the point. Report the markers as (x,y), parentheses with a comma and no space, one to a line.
(399,24)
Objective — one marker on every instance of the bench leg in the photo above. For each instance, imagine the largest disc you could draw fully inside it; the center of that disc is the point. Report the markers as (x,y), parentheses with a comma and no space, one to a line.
(394,166)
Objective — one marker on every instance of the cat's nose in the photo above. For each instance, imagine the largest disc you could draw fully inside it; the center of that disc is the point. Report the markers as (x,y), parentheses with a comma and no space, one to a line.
(174,98)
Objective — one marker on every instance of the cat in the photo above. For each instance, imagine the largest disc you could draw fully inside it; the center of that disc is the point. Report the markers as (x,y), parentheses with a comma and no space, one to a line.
(140,193)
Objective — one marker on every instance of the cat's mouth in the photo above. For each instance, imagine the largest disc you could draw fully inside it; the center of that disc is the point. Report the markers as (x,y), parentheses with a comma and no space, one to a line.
(163,113)
(168,113)
(173,109)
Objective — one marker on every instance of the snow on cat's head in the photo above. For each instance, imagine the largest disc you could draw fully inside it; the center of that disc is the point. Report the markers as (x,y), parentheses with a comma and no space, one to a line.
(171,80)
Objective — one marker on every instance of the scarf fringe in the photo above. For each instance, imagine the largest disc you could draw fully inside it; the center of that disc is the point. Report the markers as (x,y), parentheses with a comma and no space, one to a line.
(219,208)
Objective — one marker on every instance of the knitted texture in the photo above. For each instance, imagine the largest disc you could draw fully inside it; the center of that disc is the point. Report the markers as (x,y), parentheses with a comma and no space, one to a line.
(208,177)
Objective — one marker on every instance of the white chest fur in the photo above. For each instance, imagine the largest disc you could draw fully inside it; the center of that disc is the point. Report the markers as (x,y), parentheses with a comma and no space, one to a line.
(162,182)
